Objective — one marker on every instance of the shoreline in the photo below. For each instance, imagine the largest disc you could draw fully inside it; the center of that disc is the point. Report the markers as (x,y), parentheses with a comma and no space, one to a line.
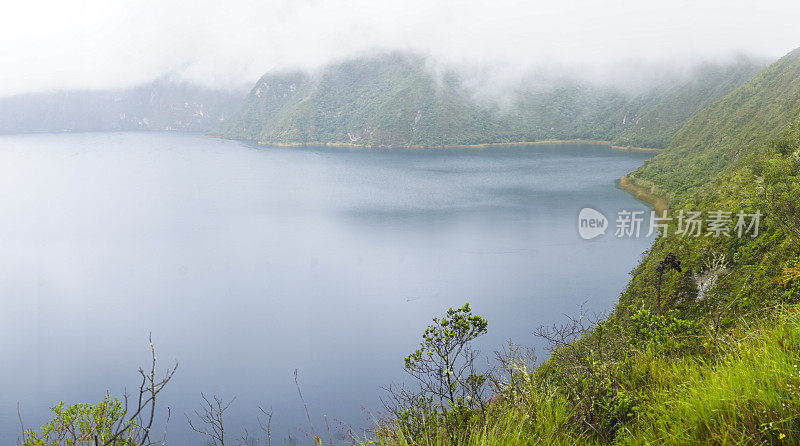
(588,142)
(626,183)
(644,194)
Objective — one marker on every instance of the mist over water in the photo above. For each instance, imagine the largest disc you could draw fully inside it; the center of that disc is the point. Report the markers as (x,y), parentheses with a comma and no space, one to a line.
(248,262)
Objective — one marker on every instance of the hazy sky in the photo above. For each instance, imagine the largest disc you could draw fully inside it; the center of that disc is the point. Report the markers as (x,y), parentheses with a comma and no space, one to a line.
(59,44)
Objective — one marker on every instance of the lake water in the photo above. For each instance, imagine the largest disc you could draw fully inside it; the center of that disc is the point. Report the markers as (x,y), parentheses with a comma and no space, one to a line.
(248,262)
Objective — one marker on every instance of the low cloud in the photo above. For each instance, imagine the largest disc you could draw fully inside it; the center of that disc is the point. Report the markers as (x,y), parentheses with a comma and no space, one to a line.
(98,44)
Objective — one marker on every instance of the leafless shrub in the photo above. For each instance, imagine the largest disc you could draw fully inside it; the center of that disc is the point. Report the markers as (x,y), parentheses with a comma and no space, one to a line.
(585,352)
(141,420)
(513,371)
(317,438)
(211,421)
(132,424)
(265,424)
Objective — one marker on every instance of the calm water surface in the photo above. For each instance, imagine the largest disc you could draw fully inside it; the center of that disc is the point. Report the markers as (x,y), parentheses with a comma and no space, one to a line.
(249,262)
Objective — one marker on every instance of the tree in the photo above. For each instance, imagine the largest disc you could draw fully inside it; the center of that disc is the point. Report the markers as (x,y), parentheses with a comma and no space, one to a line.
(444,365)
(450,389)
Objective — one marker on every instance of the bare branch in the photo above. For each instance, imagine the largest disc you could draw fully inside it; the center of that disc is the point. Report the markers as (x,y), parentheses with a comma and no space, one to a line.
(211,419)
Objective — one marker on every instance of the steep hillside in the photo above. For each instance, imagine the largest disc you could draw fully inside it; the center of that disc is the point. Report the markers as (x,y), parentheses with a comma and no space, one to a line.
(704,344)
(388,100)
(395,100)
(713,139)
(652,121)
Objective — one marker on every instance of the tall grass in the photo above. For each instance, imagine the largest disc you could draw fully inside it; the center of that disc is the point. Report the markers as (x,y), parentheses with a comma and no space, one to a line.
(749,396)
(536,418)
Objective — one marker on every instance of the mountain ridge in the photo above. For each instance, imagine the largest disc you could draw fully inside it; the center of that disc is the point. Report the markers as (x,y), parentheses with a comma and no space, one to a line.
(156,106)
(737,125)
(394,100)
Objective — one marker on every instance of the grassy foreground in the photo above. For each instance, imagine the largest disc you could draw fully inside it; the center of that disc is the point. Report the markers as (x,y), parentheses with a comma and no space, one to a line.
(749,395)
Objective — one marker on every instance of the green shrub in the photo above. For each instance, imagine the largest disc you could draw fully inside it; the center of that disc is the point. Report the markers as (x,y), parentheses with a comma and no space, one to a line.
(82,424)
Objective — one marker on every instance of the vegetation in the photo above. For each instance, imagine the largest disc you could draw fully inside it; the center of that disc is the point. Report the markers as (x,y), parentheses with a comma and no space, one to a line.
(746,396)
(78,424)
(394,100)
(704,344)
(653,119)
(111,422)
(451,391)
(737,126)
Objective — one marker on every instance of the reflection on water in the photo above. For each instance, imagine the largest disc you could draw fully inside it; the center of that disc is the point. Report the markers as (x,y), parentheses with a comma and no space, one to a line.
(248,262)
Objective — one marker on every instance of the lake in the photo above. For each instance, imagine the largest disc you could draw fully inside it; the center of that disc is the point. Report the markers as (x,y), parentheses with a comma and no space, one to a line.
(247,262)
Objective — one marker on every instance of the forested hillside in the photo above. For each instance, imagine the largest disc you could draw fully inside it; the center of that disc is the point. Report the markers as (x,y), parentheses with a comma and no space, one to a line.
(703,346)
(734,127)
(388,100)
(652,120)
(395,100)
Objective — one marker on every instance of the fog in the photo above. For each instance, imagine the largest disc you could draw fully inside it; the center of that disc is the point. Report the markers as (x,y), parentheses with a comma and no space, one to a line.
(97,44)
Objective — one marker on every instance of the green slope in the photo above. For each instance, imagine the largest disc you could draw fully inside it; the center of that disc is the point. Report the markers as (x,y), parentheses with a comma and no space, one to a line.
(713,139)
(394,100)
(388,100)
(707,353)
(654,121)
